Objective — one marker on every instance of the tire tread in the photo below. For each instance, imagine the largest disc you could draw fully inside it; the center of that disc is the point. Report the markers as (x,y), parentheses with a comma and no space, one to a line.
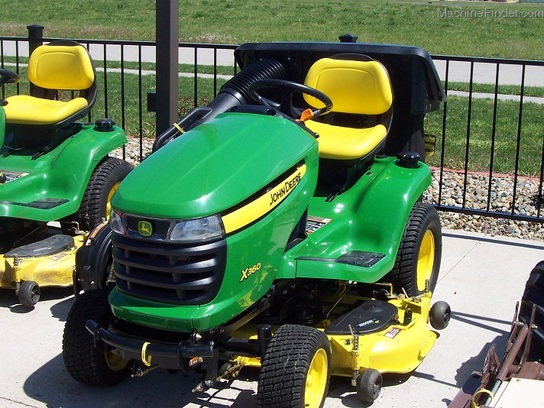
(402,276)
(82,360)
(91,210)
(282,379)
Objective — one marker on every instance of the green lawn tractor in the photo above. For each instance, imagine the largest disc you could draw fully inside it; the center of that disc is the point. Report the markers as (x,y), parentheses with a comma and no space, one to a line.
(279,227)
(56,178)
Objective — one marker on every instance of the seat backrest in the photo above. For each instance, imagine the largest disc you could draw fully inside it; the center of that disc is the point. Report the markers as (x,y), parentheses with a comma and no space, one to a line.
(362,98)
(63,90)
(61,67)
(356,86)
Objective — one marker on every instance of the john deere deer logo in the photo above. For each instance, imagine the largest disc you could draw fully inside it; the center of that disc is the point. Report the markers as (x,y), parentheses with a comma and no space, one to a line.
(144,228)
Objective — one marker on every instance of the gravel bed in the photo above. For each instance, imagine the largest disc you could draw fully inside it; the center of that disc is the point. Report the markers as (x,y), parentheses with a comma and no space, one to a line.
(501,196)
(132,149)
(476,196)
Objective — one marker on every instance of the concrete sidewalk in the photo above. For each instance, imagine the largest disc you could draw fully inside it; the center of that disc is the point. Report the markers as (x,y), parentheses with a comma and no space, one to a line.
(481,278)
(458,71)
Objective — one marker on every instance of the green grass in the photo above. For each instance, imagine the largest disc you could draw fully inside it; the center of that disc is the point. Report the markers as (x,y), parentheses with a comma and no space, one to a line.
(441,27)
(484,140)
(131,107)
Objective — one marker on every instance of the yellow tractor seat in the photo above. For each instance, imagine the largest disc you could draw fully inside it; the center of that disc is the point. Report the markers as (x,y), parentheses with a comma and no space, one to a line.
(64,79)
(358,87)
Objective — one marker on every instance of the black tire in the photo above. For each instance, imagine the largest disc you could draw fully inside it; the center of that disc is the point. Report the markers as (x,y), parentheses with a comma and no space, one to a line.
(295,370)
(533,295)
(369,385)
(82,360)
(439,315)
(29,293)
(103,183)
(419,253)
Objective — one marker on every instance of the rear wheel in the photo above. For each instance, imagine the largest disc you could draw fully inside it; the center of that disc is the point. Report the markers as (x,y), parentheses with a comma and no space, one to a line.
(419,254)
(82,360)
(104,182)
(296,368)
(29,293)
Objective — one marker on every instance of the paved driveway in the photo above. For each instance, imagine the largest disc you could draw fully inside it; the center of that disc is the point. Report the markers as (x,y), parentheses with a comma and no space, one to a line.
(481,277)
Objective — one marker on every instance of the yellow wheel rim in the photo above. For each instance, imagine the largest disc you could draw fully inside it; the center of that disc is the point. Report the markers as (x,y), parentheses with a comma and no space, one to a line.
(108,201)
(316,380)
(425,260)
(115,362)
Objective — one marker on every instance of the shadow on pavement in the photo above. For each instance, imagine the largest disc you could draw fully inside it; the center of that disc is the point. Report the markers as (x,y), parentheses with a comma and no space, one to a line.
(8,299)
(51,385)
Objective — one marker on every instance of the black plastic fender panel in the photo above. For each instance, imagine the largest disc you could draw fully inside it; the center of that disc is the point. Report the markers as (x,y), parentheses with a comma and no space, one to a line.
(93,260)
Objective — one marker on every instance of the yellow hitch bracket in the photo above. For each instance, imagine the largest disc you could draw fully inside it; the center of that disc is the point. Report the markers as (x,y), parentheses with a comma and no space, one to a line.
(145,359)
(477,394)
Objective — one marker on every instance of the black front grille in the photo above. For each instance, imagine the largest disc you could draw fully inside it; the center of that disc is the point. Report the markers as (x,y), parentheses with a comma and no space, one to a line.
(169,272)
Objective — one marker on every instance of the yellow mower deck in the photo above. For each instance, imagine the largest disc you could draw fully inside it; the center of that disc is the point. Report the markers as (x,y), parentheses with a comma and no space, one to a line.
(39,267)
(399,348)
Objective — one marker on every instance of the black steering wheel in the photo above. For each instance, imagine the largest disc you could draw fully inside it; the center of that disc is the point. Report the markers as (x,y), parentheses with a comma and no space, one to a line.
(286,103)
(8,77)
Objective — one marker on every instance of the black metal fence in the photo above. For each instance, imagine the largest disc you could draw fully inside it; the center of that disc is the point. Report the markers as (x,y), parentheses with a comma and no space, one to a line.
(488,137)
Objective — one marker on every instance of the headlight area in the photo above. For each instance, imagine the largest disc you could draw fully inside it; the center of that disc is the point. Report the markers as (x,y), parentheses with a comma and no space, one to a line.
(196,230)
(116,223)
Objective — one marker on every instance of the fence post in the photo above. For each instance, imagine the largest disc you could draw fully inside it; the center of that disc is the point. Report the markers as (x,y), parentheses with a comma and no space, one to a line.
(167,28)
(35,37)
(351,38)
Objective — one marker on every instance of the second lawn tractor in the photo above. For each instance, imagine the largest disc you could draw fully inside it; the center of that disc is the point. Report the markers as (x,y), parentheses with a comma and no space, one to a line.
(280,227)
(56,175)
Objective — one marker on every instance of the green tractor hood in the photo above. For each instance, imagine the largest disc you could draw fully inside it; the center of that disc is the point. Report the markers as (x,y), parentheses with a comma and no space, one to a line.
(254,170)
(214,167)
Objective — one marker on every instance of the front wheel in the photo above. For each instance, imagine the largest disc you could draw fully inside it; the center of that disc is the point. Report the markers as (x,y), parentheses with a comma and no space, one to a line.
(82,360)
(419,253)
(295,370)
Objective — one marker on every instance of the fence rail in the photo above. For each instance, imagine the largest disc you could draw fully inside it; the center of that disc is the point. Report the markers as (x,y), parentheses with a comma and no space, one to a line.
(498,136)
(489,136)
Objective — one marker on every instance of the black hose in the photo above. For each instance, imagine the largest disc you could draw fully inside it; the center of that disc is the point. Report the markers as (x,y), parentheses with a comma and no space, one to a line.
(233,93)
(238,86)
